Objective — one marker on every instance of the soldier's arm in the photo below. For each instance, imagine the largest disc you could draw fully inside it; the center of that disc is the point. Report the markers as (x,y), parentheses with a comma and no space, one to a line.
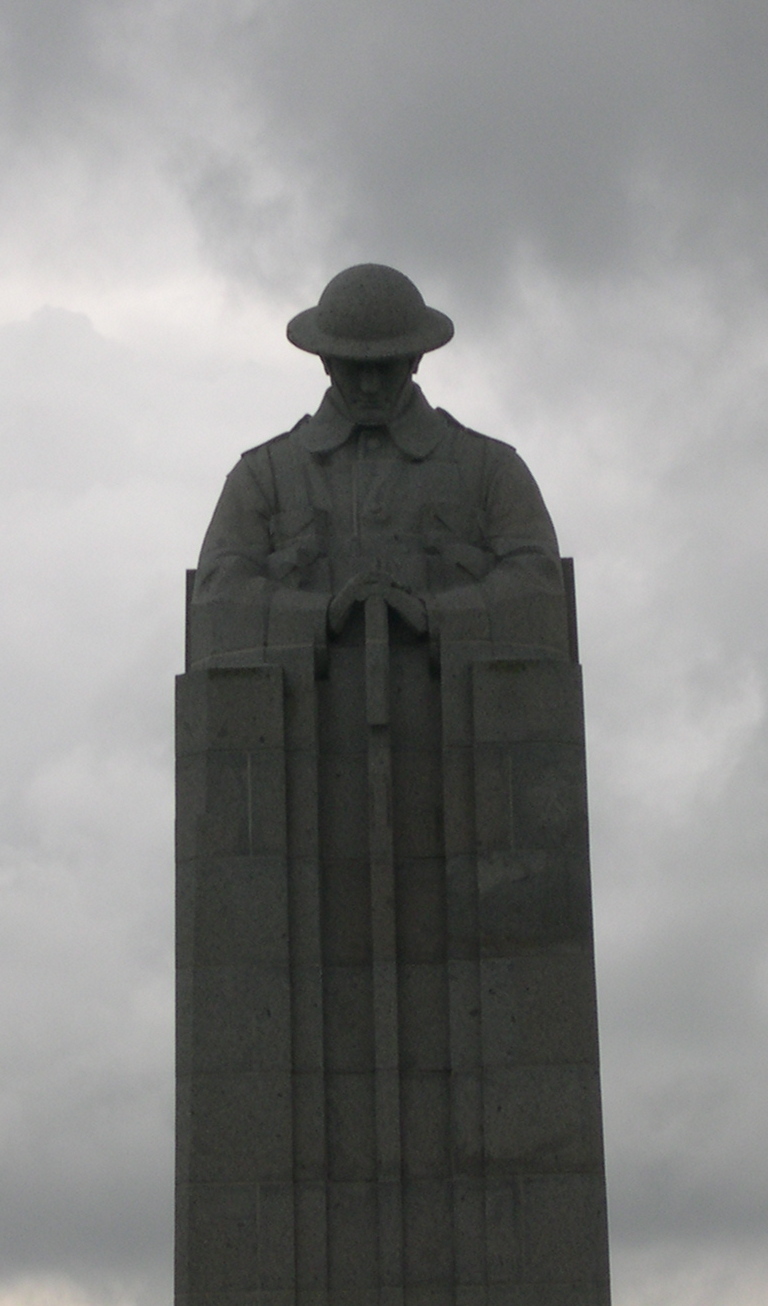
(236,545)
(236,603)
(520,602)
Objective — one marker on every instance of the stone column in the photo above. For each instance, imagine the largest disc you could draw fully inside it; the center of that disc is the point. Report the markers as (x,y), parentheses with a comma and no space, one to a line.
(388,1084)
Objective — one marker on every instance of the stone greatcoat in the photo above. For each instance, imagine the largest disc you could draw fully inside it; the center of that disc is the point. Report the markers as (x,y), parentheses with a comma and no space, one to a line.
(452,515)
(387,1054)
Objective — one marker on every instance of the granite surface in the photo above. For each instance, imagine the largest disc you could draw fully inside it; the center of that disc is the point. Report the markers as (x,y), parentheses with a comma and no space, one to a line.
(388,1083)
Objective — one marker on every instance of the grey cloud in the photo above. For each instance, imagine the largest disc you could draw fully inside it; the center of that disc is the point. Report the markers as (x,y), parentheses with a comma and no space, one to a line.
(682,1001)
(442,136)
(450,136)
(50,64)
(110,462)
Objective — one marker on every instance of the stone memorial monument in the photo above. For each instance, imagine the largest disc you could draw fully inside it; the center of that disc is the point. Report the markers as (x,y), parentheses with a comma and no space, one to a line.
(388,1087)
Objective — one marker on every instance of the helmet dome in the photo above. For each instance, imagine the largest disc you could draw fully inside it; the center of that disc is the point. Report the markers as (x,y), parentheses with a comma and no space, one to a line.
(370,311)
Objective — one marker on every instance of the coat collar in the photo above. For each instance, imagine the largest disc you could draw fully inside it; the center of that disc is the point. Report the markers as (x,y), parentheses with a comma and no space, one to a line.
(416,430)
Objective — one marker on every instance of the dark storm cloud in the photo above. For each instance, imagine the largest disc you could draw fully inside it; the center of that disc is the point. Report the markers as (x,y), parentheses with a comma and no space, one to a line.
(444,135)
(451,134)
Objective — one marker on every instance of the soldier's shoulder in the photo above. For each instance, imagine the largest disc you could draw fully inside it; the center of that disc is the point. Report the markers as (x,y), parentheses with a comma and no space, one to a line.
(263,450)
(488,443)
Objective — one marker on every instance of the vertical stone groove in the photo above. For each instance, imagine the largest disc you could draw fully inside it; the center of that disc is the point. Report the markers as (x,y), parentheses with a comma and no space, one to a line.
(384,947)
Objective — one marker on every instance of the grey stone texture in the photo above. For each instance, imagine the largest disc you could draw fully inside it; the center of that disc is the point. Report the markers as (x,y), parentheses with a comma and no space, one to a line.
(388,1082)
(388,1089)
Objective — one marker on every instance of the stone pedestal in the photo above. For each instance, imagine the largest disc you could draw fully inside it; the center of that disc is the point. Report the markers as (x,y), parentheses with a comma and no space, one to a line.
(388,1083)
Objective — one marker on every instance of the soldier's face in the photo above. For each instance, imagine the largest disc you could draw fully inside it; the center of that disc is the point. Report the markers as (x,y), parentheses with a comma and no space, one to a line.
(371,388)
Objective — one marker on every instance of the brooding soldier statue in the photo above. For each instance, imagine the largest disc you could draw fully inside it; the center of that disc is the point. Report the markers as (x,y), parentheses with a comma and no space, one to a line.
(388,1089)
(379,493)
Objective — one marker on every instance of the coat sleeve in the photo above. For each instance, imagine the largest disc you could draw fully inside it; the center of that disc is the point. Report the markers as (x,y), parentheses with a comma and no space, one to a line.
(236,604)
(520,603)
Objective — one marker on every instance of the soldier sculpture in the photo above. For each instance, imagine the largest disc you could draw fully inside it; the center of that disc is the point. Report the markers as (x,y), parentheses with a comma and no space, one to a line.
(387,1045)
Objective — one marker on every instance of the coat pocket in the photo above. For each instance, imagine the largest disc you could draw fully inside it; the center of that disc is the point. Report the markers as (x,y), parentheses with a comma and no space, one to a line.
(453,532)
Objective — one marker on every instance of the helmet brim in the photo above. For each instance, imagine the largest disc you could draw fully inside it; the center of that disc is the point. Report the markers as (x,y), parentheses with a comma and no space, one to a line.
(434,331)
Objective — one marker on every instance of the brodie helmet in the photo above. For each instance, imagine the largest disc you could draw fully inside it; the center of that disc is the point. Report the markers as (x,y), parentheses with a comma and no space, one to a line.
(370,311)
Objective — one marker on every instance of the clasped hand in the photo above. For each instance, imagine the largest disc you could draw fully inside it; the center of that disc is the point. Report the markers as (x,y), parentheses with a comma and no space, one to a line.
(381,584)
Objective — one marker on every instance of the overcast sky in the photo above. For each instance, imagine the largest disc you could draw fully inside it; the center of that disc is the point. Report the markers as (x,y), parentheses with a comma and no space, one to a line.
(583,186)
